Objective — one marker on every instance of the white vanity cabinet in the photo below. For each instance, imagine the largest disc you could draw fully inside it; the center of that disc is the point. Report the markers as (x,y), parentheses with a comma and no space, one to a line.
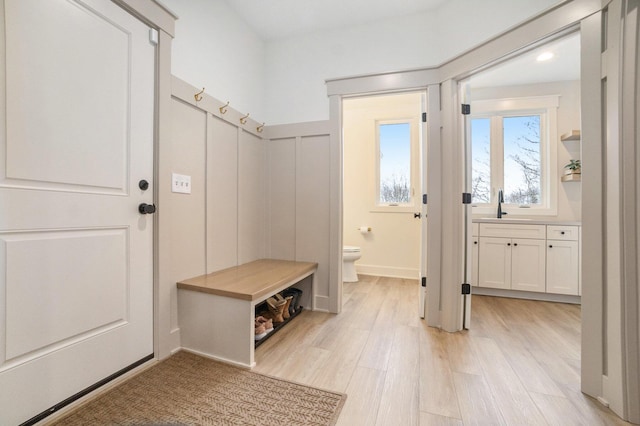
(537,258)
(563,259)
(516,263)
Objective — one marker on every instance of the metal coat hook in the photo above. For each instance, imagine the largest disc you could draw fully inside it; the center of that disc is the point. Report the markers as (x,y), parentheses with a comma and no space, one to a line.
(198,96)
(243,120)
(260,128)
(223,108)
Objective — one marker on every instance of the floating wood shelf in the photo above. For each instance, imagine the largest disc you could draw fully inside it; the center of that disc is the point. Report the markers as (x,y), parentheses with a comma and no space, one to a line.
(577,177)
(573,135)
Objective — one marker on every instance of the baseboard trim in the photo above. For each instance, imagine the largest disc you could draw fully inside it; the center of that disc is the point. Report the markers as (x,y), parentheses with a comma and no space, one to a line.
(217,358)
(322,304)
(388,271)
(529,295)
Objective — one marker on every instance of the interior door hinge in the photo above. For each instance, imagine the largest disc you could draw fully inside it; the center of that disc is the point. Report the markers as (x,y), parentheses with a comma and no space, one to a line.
(424,117)
(466,288)
(424,198)
(466,198)
(466,109)
(424,281)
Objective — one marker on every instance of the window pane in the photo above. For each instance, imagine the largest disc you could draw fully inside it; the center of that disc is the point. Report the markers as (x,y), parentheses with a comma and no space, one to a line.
(395,163)
(522,159)
(480,163)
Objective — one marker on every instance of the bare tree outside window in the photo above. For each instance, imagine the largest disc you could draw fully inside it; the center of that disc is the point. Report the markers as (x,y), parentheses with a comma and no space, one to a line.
(395,163)
(481,165)
(522,159)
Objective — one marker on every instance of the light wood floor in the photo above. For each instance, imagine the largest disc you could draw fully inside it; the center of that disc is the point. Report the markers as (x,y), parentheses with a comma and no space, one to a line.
(519,364)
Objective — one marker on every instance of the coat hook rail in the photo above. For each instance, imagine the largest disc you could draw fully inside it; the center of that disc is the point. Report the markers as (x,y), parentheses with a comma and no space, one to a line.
(243,120)
(198,96)
(260,128)
(223,108)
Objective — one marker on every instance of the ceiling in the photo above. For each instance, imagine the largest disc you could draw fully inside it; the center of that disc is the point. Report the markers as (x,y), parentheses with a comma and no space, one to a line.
(525,69)
(276,19)
(273,19)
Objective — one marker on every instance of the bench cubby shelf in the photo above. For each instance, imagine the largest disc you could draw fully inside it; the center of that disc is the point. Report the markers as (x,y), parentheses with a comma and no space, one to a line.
(216,311)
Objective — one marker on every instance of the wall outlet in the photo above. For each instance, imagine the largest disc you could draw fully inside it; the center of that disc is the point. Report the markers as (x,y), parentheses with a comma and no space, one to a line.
(180,183)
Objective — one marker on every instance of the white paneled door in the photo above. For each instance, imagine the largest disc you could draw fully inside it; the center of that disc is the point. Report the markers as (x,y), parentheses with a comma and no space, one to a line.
(76,140)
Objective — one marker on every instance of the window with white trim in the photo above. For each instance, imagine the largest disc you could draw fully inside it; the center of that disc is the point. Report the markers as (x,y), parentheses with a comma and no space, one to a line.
(397,167)
(512,148)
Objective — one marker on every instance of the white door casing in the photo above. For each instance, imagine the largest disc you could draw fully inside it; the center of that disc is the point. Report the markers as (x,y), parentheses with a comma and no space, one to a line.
(76,266)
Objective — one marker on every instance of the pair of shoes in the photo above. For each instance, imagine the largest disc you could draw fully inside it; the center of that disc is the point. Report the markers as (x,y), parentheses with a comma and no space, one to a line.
(286,313)
(267,322)
(260,332)
(295,293)
(263,326)
(276,309)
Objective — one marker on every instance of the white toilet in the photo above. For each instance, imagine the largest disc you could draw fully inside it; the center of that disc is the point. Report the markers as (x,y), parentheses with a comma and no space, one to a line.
(349,255)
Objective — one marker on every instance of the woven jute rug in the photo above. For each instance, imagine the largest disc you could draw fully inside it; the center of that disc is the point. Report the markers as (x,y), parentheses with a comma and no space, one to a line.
(187,389)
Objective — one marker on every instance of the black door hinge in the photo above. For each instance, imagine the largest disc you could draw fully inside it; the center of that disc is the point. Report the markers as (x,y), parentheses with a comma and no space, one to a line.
(466,288)
(424,117)
(466,198)
(466,109)
(424,198)
(424,281)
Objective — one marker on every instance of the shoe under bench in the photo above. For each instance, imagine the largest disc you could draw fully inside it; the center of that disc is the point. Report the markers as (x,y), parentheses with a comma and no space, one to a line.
(216,311)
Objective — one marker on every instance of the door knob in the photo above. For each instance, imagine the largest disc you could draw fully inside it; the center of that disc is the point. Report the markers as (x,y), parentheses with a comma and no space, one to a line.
(146,208)
(417,215)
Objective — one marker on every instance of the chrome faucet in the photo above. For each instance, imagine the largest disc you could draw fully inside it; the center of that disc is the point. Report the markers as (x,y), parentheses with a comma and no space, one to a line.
(500,201)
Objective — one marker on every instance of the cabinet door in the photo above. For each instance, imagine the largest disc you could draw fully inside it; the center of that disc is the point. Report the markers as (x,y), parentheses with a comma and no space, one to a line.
(494,262)
(528,265)
(562,267)
(474,260)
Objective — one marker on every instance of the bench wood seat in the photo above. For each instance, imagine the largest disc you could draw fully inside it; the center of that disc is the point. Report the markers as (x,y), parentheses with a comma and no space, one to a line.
(251,281)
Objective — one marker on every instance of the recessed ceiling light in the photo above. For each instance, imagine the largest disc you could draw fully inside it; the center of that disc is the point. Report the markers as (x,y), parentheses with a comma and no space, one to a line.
(545,56)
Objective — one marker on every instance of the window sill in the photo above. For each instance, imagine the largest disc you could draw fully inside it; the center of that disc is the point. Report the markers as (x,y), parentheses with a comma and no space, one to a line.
(512,211)
(393,209)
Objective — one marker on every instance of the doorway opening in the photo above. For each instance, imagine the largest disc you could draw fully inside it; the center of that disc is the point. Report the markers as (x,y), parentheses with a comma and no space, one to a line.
(383,169)
(522,138)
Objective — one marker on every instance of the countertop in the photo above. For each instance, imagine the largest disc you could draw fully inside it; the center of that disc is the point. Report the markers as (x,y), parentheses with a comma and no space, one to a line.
(517,221)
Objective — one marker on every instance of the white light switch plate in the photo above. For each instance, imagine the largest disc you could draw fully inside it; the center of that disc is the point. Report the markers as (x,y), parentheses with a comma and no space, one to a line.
(180,183)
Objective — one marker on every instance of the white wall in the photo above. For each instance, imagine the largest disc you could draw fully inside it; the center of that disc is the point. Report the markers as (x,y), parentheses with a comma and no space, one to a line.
(464,24)
(569,193)
(297,67)
(214,48)
(393,246)
(283,81)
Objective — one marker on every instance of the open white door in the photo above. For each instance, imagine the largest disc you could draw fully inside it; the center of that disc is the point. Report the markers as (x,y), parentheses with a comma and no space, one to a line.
(423,209)
(467,245)
(76,265)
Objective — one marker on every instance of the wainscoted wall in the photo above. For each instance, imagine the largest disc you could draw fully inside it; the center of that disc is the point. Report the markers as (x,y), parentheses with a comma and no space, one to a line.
(299,198)
(186,212)
(251,197)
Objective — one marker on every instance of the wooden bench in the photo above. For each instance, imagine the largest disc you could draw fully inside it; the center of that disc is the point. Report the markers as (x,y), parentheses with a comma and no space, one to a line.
(216,311)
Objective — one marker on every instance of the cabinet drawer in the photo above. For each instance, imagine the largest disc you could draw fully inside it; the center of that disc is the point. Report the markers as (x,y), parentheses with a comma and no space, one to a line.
(512,230)
(558,232)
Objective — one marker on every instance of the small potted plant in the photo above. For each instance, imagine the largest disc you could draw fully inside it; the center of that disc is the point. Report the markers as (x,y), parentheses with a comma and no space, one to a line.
(573,168)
